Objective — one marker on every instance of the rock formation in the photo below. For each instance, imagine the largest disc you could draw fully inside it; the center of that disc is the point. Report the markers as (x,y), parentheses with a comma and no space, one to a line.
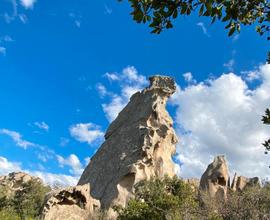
(71,203)
(138,144)
(14,181)
(215,180)
(239,183)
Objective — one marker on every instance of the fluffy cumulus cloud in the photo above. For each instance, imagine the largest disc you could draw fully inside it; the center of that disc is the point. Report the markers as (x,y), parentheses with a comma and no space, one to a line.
(88,132)
(73,162)
(130,82)
(223,116)
(17,138)
(28,4)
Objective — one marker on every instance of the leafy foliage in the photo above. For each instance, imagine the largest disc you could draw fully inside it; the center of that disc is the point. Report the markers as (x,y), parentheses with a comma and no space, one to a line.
(24,203)
(158,199)
(266,120)
(160,14)
(252,203)
(173,199)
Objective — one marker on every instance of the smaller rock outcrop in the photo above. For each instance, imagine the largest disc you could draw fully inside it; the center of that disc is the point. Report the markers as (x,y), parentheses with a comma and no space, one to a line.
(240,183)
(215,180)
(15,181)
(71,203)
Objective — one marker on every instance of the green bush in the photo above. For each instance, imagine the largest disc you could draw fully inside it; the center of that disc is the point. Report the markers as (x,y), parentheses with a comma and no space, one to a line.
(173,199)
(23,204)
(251,203)
(158,199)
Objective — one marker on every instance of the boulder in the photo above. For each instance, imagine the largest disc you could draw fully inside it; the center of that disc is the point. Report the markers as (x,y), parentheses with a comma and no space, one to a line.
(15,181)
(215,180)
(138,144)
(71,203)
(240,183)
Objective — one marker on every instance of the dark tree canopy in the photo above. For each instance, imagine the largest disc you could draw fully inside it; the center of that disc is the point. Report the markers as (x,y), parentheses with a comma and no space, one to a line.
(160,14)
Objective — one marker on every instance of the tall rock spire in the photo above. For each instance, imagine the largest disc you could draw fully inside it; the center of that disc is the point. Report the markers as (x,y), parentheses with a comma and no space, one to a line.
(138,144)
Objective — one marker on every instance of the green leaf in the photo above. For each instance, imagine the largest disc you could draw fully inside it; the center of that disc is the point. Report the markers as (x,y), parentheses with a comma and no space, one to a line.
(208,6)
(232,30)
(175,13)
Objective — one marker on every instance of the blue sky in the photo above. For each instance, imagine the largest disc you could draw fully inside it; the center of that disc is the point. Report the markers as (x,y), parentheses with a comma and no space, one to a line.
(68,67)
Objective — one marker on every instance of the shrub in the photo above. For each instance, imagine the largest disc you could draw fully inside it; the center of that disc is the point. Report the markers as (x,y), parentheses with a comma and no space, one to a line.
(24,203)
(158,199)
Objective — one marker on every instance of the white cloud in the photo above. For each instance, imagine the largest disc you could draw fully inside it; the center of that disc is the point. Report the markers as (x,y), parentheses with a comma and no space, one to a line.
(86,132)
(130,82)
(223,116)
(63,141)
(131,74)
(48,178)
(17,138)
(251,75)
(8,17)
(204,29)
(6,38)
(113,108)
(87,161)
(112,76)
(42,125)
(189,77)
(12,15)
(42,157)
(72,161)
(235,37)
(28,4)
(3,50)
(44,154)
(76,18)
(8,167)
(56,179)
(230,64)
(101,90)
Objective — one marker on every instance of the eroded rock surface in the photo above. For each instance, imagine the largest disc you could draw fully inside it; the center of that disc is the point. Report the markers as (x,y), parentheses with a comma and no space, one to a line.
(15,181)
(239,183)
(215,180)
(71,203)
(138,144)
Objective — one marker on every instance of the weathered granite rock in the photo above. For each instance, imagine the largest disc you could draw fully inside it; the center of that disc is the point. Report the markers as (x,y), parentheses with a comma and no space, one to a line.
(138,144)
(71,203)
(14,181)
(240,183)
(215,180)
